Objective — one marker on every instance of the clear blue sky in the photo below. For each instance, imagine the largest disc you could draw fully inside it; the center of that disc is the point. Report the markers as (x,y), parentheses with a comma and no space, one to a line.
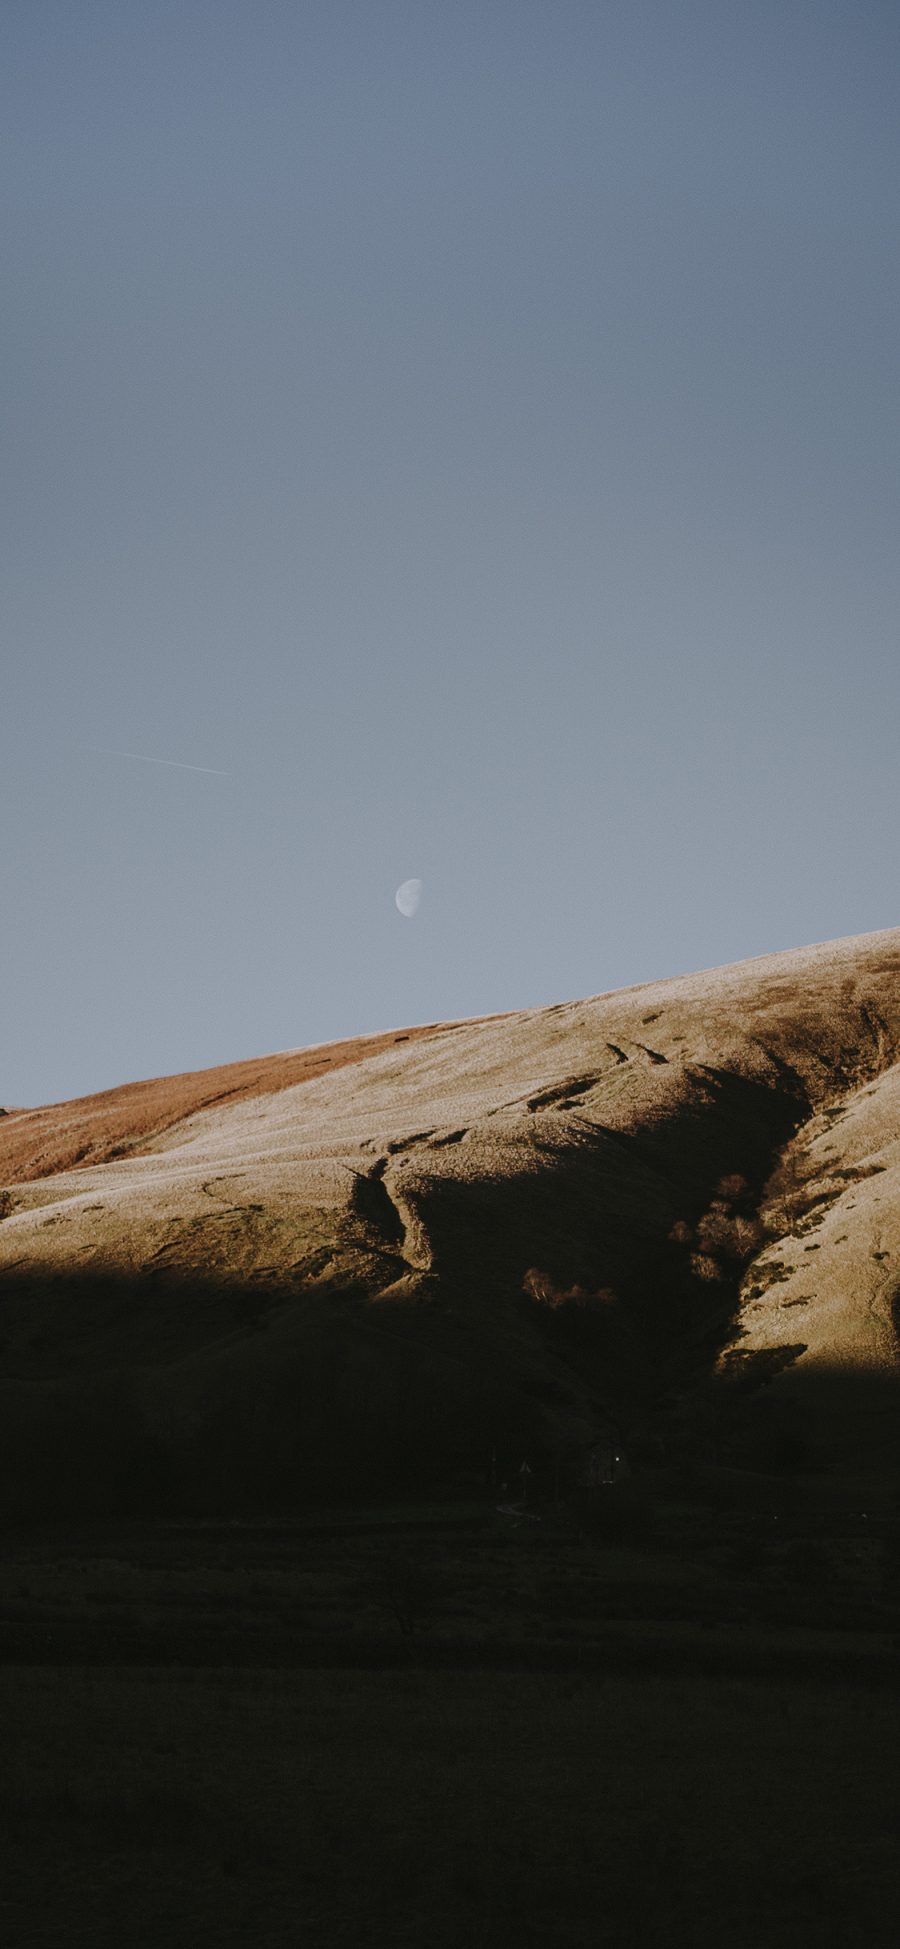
(473,429)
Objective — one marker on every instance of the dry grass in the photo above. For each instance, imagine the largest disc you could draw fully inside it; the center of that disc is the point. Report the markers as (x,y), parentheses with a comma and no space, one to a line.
(93,1129)
(422,1176)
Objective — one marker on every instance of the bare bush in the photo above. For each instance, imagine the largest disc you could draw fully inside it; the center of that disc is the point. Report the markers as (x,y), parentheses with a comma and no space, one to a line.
(727,1234)
(541,1287)
(732,1188)
(704,1266)
(786,1195)
(682,1233)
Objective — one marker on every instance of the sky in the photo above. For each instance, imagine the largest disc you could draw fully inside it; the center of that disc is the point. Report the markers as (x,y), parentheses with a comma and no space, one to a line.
(462,441)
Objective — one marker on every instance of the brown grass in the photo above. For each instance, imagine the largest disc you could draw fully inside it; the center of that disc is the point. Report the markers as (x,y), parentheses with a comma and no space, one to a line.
(94,1129)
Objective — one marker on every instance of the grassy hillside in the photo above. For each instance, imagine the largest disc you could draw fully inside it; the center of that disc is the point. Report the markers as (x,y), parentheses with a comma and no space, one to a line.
(674,1210)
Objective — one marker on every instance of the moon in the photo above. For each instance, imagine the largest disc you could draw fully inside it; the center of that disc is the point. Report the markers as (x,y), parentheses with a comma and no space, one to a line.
(407,897)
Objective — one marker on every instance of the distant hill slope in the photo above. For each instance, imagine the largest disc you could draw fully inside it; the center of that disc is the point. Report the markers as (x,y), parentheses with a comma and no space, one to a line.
(95,1129)
(392,1254)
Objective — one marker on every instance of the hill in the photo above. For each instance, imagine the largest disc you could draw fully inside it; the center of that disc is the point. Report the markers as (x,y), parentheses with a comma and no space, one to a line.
(674,1210)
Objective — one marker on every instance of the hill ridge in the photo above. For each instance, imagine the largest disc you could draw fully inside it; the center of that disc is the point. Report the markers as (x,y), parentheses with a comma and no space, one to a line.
(536,1219)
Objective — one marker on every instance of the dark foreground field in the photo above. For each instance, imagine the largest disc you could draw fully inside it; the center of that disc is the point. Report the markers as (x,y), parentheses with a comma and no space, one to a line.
(677,1724)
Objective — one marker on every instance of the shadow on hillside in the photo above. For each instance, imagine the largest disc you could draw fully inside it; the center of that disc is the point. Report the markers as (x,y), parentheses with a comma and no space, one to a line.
(152,1395)
(794,1418)
(602,1204)
(158,1396)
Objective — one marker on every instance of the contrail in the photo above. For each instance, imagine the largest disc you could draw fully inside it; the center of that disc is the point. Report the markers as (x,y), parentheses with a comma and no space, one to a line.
(174,763)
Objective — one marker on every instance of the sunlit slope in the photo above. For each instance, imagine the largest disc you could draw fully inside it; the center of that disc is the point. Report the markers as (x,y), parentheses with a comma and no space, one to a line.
(647,1095)
(830,1275)
(92,1129)
(575,1151)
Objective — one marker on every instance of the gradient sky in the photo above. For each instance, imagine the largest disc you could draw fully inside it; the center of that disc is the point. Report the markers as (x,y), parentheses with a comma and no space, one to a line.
(473,429)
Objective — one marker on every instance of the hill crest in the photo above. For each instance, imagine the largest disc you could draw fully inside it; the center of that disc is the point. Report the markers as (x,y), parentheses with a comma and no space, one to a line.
(569,1209)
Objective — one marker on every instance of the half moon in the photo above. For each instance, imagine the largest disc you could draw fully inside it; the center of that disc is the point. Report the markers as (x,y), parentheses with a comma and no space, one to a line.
(407,897)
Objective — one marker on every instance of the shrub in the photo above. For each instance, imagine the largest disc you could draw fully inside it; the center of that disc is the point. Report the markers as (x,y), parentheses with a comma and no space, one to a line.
(542,1288)
(682,1233)
(786,1195)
